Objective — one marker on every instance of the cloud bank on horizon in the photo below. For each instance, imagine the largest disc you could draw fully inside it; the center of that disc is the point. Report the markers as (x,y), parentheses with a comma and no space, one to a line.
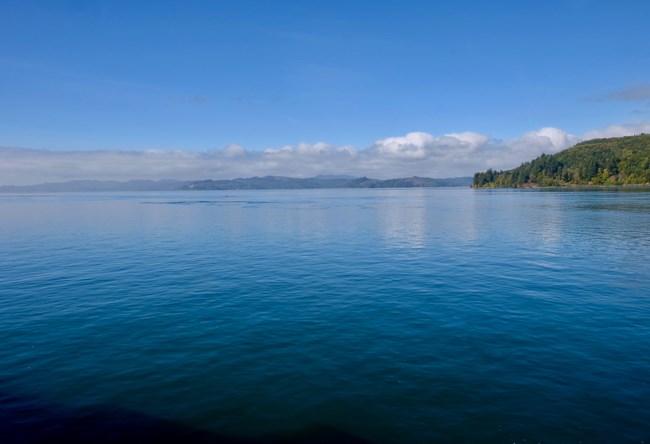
(413,154)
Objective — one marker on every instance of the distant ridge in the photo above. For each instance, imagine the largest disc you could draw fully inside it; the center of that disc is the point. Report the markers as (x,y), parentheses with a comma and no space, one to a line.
(597,162)
(251,183)
(280,182)
(95,185)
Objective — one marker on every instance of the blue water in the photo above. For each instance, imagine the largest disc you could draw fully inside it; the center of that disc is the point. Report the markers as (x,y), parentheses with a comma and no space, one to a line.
(394,316)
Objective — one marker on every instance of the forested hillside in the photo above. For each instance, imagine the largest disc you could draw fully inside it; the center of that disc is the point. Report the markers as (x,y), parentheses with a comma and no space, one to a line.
(615,161)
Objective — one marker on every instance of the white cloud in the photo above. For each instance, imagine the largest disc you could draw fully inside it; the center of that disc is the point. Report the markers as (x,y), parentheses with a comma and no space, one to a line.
(473,139)
(411,146)
(234,150)
(416,153)
(545,140)
(550,137)
(626,129)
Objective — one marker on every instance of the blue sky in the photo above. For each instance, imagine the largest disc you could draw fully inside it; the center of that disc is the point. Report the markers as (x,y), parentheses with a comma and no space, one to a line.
(203,75)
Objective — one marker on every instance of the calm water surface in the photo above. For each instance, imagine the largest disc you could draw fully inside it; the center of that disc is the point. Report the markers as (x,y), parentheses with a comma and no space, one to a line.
(396,316)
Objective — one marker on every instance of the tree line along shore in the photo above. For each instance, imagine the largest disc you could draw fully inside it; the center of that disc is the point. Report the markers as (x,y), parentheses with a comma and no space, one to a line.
(599,162)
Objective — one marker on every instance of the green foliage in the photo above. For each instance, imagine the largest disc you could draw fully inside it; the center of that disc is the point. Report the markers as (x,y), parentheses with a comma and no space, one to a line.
(615,161)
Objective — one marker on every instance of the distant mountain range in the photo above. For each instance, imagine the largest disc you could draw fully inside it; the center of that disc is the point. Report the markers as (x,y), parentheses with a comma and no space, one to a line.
(280,182)
(251,183)
(95,185)
(597,162)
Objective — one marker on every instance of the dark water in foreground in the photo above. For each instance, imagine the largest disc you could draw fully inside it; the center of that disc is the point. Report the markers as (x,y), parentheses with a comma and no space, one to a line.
(395,316)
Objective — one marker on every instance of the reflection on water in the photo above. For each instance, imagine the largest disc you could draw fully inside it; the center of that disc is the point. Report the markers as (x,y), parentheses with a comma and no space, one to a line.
(404,222)
(549,224)
(612,206)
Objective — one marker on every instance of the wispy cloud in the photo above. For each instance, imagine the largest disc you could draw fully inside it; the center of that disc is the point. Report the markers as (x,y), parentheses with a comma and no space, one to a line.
(197,99)
(635,93)
(416,153)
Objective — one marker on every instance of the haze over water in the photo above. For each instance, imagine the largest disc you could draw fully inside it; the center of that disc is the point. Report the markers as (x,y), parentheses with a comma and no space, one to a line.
(397,316)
